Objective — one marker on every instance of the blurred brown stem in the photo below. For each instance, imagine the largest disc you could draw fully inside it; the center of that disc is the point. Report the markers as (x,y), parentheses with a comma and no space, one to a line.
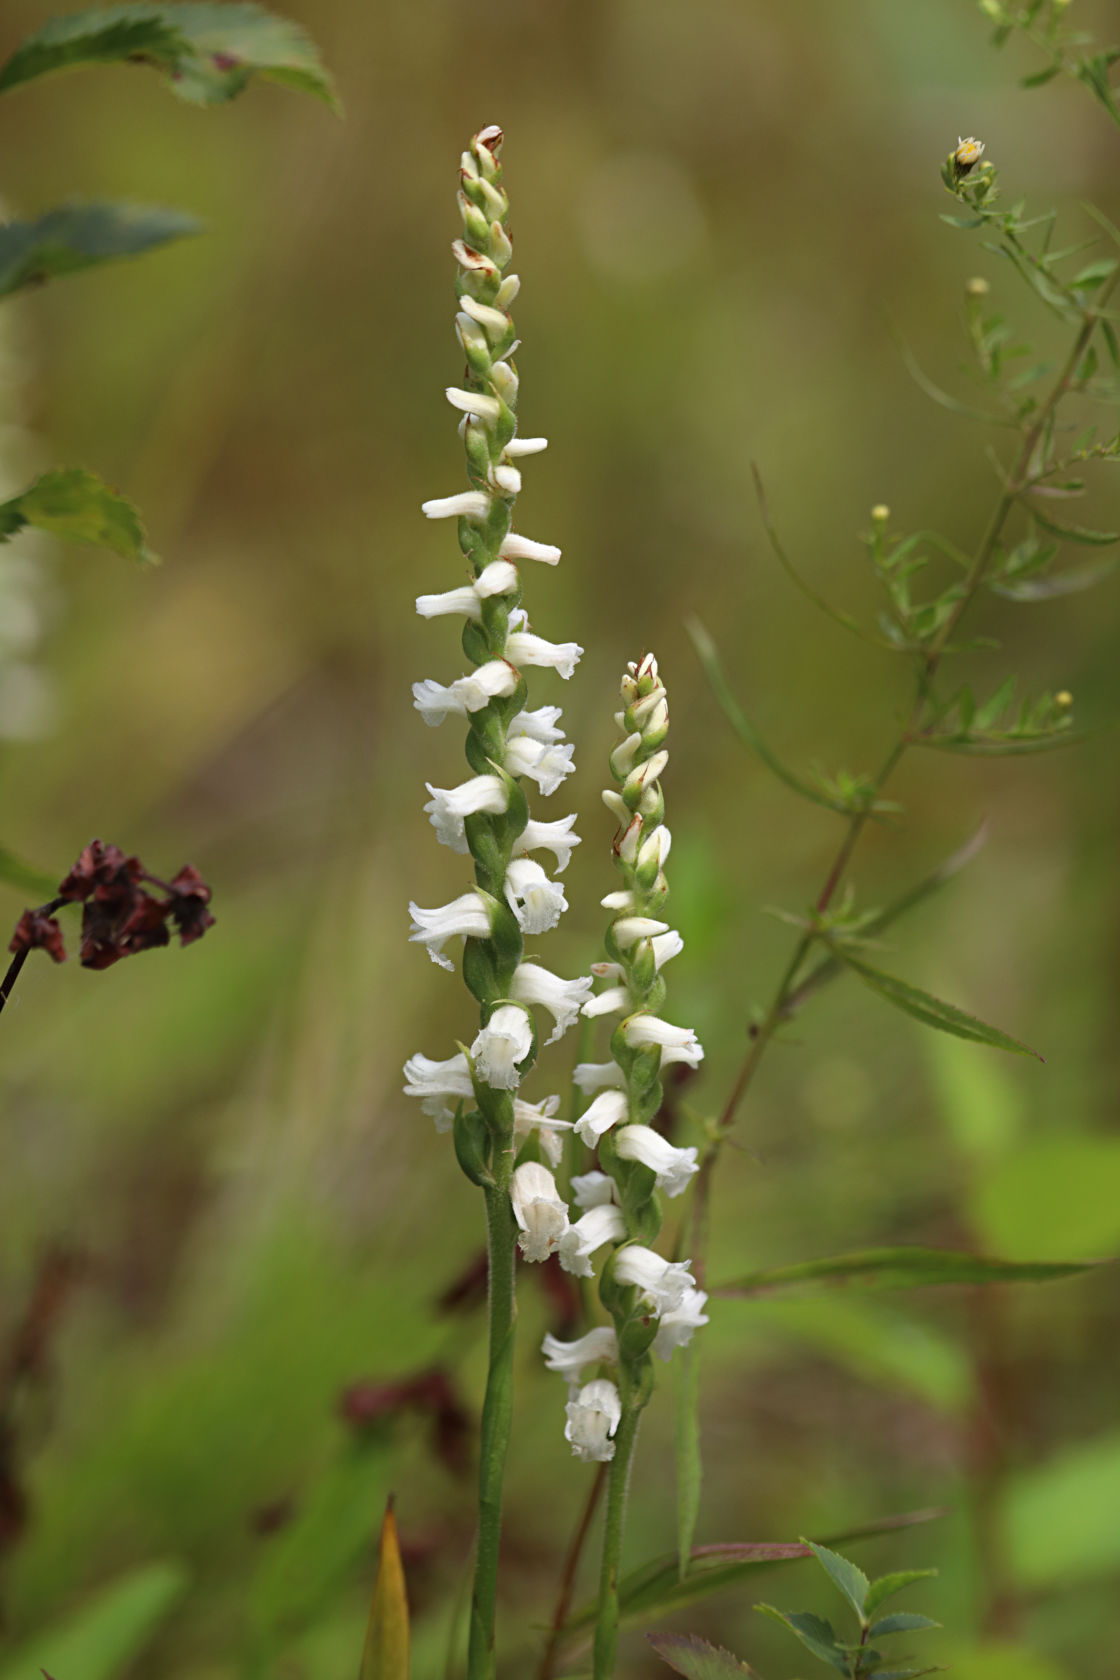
(568,1578)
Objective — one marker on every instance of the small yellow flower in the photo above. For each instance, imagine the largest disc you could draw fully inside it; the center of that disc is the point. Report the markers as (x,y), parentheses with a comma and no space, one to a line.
(880,513)
(977,287)
(967,154)
(1064,699)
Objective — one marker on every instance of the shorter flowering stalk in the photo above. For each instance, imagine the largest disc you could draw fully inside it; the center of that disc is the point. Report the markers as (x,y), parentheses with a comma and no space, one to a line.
(654,1303)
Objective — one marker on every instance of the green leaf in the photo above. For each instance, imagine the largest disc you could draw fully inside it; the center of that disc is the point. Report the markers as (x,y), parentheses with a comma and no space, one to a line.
(689,1461)
(901,1268)
(744,727)
(26,877)
(78,236)
(932,1011)
(655,1588)
(104,1637)
(386,1653)
(76,505)
(1075,533)
(1041,76)
(887,1585)
(901,1622)
(207,52)
(693,1657)
(850,1580)
(814,1632)
(1070,582)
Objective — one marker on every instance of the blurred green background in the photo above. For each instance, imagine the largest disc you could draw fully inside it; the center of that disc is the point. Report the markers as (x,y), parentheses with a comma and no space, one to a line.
(719,210)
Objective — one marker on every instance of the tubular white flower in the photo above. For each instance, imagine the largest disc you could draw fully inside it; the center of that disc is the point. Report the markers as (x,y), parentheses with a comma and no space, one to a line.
(675,1328)
(674,1167)
(505,1040)
(601,1224)
(653,852)
(622,900)
(463,600)
(538,1210)
(498,578)
(597,1076)
(468,915)
(541,724)
(611,1002)
(515,547)
(608,1109)
(486,409)
(466,504)
(663,1282)
(433,1082)
(568,1359)
(436,701)
(496,321)
(535,900)
(528,1117)
(546,765)
(562,998)
(666,946)
(555,837)
(508,480)
(643,1029)
(523,648)
(593,1416)
(526,446)
(593,1189)
(448,806)
(617,806)
(629,929)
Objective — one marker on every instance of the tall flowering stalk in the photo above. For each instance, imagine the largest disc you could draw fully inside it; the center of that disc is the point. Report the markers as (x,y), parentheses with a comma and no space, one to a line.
(474,1092)
(654,1303)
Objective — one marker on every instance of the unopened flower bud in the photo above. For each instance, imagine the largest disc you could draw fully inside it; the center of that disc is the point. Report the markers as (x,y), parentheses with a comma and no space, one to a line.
(977,287)
(967,155)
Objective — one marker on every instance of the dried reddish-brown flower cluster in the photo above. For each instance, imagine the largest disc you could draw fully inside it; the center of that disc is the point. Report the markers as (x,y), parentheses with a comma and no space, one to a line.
(119,915)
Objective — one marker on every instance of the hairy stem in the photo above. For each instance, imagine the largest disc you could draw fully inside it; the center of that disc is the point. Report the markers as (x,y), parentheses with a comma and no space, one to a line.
(497,1414)
(606,1628)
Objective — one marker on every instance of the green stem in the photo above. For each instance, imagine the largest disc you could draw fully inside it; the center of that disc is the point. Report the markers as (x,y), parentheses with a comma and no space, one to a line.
(606,1628)
(497,1415)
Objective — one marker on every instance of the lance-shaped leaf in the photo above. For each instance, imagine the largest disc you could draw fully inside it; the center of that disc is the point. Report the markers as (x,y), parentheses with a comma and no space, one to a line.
(386,1654)
(745,728)
(78,506)
(79,235)
(901,1622)
(931,1011)
(901,1268)
(1047,587)
(108,1633)
(207,52)
(656,1587)
(693,1657)
(1075,533)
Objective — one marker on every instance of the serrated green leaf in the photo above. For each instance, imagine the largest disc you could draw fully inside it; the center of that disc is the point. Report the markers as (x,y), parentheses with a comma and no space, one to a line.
(902,1621)
(1075,533)
(386,1655)
(689,1462)
(104,1637)
(76,505)
(814,1632)
(887,1585)
(847,1577)
(931,1011)
(78,236)
(207,52)
(693,1657)
(901,1268)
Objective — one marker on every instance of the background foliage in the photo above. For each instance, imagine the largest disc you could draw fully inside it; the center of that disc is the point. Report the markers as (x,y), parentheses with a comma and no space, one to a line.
(718,209)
